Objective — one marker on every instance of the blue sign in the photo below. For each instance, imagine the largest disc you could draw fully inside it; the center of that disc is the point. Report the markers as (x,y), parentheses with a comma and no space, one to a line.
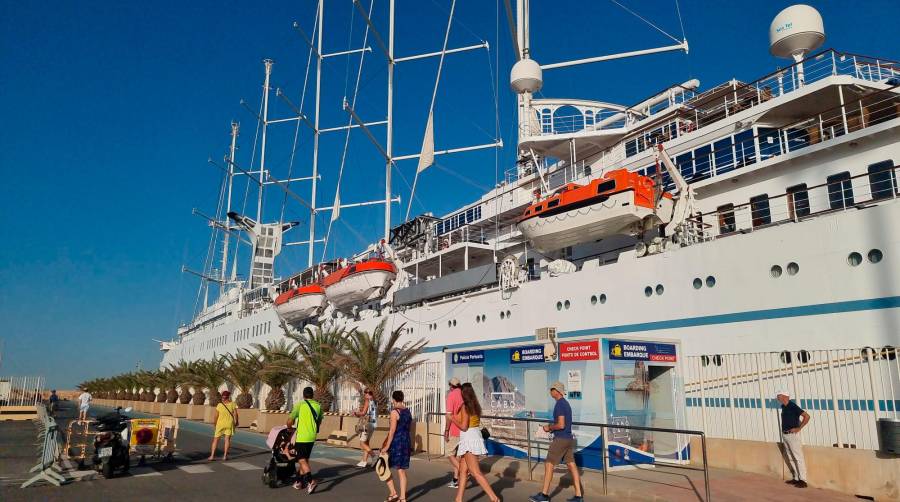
(468,357)
(527,354)
(630,350)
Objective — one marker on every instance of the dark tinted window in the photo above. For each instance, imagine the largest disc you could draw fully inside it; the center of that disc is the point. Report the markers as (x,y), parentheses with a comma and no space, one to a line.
(882,180)
(840,190)
(726,219)
(606,186)
(759,210)
(552,203)
(798,200)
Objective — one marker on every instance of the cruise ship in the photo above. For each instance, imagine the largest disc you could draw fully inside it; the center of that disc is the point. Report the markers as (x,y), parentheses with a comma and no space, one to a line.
(757,217)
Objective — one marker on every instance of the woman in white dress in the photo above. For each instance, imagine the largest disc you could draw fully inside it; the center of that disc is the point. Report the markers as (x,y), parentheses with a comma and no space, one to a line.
(471,443)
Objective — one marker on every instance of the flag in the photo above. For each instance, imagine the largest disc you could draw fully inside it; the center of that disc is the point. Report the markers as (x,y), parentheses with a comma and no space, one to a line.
(426,157)
(336,210)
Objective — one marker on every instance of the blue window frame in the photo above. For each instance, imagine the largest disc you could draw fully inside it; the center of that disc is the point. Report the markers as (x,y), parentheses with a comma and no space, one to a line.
(745,149)
(723,151)
(882,179)
(769,142)
(840,190)
(702,163)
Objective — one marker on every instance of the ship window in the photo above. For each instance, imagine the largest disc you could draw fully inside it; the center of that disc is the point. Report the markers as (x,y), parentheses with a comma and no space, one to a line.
(882,180)
(606,186)
(726,219)
(724,155)
(710,281)
(769,142)
(508,314)
(567,304)
(502,315)
(660,289)
(785,357)
(631,148)
(558,306)
(602,298)
(888,352)
(798,201)
(685,163)
(702,162)
(759,210)
(854,259)
(553,203)
(648,291)
(527,212)
(793,268)
(745,149)
(803,356)
(704,360)
(775,271)
(698,283)
(875,255)
(840,190)
(538,208)
(717,360)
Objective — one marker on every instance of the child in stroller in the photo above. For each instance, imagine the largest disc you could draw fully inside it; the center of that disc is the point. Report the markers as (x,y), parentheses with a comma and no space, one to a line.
(282,467)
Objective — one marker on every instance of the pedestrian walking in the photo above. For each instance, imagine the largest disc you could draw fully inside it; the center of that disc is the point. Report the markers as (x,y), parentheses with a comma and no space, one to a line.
(84,404)
(226,420)
(793,420)
(368,420)
(471,443)
(307,415)
(451,431)
(54,402)
(562,448)
(398,444)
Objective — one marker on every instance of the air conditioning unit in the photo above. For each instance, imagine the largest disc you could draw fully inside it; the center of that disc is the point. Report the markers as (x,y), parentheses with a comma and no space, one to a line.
(545,334)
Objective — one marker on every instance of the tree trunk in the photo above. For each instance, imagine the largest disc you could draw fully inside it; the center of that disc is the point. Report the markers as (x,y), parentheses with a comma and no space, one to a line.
(324,396)
(275,399)
(214,397)
(161,397)
(172,396)
(185,396)
(244,400)
(199,397)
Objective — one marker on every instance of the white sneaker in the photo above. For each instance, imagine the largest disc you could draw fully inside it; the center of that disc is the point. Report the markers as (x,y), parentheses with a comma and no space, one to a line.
(362,463)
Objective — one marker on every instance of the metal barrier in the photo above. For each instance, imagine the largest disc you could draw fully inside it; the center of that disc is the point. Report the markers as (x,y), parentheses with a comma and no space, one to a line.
(48,436)
(603,443)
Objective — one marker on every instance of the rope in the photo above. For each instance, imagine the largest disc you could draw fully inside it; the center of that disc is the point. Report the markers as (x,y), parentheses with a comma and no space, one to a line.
(437,81)
(680,22)
(337,190)
(635,14)
(297,128)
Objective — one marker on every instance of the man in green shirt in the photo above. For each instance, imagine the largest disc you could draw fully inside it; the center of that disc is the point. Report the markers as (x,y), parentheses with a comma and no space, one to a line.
(307,415)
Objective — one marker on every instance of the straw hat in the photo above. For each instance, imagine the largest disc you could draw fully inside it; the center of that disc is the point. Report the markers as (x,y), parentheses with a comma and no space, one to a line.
(382,469)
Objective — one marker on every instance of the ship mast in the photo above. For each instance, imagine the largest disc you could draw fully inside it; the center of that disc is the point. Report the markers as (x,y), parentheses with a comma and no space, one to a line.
(316,132)
(235,127)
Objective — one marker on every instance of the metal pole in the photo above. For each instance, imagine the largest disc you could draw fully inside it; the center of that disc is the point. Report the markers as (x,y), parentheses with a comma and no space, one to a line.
(705,467)
(262,151)
(528,448)
(762,398)
(834,403)
(234,134)
(315,166)
(603,458)
(390,125)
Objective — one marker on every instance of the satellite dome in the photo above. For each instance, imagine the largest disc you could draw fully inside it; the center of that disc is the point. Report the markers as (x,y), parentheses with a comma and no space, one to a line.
(795,31)
(526,76)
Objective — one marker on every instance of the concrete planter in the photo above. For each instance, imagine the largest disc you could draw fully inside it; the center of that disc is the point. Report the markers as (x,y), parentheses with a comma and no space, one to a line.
(246,416)
(209,413)
(180,410)
(154,408)
(268,419)
(195,411)
(166,408)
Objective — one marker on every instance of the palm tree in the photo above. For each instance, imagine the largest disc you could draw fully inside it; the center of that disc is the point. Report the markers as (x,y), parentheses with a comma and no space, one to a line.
(243,372)
(278,366)
(374,359)
(147,381)
(315,351)
(129,381)
(168,380)
(183,376)
(208,374)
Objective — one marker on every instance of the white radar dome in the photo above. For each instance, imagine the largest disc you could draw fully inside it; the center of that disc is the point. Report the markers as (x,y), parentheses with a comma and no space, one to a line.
(796,31)
(526,76)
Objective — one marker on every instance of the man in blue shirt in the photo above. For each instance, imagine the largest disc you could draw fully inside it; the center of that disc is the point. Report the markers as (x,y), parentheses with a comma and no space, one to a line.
(562,448)
(793,420)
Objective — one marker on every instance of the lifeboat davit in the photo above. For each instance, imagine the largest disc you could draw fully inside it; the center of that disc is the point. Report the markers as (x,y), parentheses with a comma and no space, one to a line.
(359,283)
(621,202)
(298,304)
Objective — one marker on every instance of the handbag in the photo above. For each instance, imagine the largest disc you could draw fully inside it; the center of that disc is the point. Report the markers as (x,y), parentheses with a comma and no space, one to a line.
(485,434)
(361,425)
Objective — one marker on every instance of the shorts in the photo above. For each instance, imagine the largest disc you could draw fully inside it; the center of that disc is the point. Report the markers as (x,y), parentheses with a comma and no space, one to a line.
(224,430)
(84,408)
(561,449)
(451,447)
(366,434)
(304,450)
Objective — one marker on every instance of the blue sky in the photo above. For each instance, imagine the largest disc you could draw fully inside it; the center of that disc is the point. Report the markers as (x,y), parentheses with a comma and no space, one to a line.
(111,111)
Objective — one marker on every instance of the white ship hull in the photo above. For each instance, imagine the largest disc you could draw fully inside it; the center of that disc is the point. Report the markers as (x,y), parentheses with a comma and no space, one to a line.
(359,288)
(616,215)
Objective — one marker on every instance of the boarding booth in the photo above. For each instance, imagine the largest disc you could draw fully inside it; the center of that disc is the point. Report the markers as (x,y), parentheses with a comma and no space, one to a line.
(624,382)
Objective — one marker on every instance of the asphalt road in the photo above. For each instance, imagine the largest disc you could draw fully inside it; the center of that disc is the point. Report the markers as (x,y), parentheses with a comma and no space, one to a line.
(191,477)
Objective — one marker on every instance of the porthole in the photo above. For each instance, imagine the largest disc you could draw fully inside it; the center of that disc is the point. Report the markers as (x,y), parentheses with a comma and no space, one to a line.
(660,289)
(698,283)
(477,318)
(508,314)
(803,356)
(875,255)
(603,298)
(454,323)
(558,305)
(704,360)
(868,353)
(793,268)
(775,271)
(593,299)
(710,282)
(502,315)
(567,304)
(449,324)
(785,357)
(717,360)
(648,291)
(889,352)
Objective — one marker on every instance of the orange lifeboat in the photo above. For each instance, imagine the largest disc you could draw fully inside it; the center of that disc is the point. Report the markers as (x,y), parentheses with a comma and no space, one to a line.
(298,304)
(358,283)
(621,202)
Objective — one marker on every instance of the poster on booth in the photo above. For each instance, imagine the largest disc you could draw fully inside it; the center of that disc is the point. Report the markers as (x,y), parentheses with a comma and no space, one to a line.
(144,432)
(629,350)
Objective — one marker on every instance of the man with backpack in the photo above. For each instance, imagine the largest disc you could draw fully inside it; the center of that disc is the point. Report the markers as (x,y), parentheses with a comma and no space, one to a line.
(307,415)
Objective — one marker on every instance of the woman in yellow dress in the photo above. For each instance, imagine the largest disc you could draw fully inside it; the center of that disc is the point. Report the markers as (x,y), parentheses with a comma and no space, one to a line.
(226,420)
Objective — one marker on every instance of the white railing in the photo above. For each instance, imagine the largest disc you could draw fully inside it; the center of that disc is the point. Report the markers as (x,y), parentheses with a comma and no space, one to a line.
(421,384)
(845,391)
(21,391)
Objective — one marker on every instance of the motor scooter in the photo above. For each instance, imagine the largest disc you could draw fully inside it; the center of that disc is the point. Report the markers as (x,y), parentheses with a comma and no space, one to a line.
(111,444)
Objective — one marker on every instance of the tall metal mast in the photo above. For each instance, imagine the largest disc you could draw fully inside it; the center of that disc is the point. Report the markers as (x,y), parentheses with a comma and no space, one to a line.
(235,127)
(316,132)
(262,152)
(390,125)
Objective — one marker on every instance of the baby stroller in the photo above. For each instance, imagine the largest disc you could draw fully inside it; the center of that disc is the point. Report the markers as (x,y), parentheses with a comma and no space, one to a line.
(282,467)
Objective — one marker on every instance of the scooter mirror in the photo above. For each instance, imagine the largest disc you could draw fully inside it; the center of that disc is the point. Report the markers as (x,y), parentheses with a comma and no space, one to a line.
(128,410)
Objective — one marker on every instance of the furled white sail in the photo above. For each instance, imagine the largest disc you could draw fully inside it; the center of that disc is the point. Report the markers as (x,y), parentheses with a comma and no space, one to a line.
(426,157)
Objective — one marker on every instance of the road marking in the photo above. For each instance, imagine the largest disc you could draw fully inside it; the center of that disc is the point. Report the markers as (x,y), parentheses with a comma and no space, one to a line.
(329,461)
(242,466)
(195,468)
(144,471)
